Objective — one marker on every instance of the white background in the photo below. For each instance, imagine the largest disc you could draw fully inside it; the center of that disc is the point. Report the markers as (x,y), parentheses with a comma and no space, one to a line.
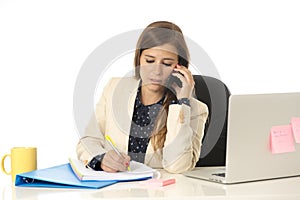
(255,46)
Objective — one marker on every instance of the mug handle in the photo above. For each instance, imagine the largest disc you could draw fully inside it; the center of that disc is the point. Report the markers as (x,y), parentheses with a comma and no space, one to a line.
(2,164)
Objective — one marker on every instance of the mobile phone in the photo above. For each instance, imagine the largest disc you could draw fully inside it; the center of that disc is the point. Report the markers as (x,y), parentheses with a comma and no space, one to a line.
(174,79)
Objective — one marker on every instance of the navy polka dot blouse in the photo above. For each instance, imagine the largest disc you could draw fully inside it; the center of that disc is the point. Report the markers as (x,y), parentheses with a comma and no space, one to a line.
(142,124)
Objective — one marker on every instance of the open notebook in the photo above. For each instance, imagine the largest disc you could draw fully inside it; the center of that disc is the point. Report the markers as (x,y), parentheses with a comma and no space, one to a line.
(138,171)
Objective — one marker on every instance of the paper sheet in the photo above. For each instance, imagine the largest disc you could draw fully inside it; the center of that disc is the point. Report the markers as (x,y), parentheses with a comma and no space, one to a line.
(281,139)
(295,122)
(138,171)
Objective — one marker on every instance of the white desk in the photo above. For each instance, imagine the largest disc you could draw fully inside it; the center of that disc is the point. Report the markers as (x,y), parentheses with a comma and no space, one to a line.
(184,188)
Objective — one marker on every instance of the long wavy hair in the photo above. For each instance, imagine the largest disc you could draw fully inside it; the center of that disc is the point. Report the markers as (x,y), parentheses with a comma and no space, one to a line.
(157,34)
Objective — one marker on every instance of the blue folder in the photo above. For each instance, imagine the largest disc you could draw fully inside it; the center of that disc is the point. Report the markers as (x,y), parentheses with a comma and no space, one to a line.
(60,176)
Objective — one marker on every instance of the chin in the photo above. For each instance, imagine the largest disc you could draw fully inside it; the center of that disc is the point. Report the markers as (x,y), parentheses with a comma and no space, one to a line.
(155,87)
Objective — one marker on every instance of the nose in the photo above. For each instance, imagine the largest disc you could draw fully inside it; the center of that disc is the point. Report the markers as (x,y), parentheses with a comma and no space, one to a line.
(157,68)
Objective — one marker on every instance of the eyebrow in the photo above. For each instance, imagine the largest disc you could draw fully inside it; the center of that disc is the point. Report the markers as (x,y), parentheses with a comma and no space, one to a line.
(163,59)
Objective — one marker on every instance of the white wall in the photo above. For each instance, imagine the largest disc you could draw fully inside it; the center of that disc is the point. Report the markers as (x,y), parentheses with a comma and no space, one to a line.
(255,46)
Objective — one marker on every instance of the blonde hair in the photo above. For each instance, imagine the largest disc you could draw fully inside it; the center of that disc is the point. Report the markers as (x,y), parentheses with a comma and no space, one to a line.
(157,34)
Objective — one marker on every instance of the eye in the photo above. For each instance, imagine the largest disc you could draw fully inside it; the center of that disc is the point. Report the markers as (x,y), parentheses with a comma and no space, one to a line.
(168,64)
(149,61)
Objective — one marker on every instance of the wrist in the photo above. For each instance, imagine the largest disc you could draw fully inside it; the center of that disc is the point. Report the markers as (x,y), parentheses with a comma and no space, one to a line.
(185,101)
(95,163)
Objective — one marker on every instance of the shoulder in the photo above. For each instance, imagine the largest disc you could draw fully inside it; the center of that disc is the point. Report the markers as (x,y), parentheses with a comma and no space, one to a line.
(121,84)
(123,80)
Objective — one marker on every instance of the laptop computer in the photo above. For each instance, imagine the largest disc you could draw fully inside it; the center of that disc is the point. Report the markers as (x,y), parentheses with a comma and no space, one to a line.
(248,155)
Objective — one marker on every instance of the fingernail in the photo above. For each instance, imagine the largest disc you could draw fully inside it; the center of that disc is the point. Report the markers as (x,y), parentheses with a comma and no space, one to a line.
(127,164)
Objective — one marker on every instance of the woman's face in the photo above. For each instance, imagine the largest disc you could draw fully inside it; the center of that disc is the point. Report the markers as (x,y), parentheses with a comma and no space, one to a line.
(156,64)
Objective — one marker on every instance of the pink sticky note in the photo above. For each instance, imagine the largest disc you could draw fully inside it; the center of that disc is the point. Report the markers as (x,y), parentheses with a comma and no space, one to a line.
(158,182)
(281,139)
(295,122)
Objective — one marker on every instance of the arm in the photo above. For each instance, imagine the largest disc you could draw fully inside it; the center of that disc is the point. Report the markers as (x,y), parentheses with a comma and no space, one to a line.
(185,126)
(92,148)
(91,143)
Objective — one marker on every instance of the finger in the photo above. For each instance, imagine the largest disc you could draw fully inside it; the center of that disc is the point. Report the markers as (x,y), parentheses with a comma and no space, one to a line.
(126,159)
(107,169)
(180,76)
(116,157)
(112,164)
(186,72)
(114,161)
(123,159)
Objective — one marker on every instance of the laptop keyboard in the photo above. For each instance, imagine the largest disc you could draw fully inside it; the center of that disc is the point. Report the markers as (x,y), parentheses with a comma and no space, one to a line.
(219,174)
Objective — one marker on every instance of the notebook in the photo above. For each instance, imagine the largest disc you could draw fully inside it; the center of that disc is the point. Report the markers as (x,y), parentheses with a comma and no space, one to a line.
(138,171)
(250,154)
(76,175)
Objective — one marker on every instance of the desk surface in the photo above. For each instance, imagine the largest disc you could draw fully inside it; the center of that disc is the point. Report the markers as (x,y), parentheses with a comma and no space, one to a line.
(184,188)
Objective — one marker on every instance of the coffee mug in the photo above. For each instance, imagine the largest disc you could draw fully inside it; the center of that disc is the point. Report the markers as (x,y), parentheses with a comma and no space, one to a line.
(23,159)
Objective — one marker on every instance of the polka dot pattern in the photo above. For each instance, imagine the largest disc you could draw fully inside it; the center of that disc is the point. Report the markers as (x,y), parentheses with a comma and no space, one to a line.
(142,125)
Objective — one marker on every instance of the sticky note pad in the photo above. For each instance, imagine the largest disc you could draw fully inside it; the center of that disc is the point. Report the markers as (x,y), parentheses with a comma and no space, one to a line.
(158,182)
(281,139)
(295,122)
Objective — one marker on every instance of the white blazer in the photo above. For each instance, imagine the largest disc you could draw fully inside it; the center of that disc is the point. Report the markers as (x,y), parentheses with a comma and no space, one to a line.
(185,128)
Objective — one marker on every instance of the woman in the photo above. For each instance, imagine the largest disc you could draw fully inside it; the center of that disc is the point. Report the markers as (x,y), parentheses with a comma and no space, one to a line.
(163,124)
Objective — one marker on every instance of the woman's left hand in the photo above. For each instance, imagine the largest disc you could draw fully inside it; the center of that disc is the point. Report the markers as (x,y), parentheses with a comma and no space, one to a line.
(187,80)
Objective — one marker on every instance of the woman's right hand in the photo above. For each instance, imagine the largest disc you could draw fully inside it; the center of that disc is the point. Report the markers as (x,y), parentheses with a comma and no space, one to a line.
(112,162)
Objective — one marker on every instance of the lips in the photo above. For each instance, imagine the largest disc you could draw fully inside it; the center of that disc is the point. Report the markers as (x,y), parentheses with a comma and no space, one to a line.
(155,81)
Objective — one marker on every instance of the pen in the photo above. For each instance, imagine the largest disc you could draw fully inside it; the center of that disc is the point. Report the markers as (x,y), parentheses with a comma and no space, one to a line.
(113,145)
